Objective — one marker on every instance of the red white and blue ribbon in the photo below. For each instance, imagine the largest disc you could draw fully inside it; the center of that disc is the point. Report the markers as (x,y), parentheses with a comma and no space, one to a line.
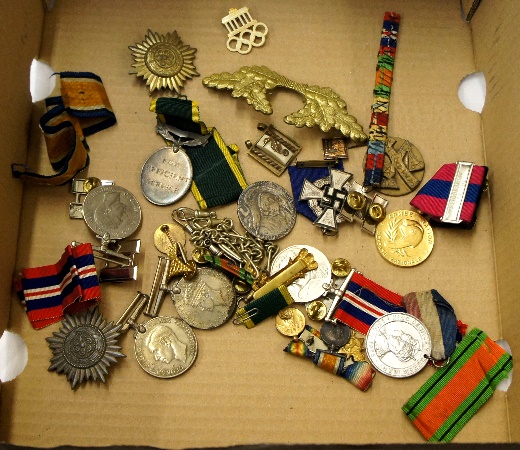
(69,286)
(364,302)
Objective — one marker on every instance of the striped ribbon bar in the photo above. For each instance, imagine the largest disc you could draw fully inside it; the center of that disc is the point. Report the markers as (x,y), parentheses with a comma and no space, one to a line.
(453,395)
(432,309)
(358,373)
(364,301)
(69,286)
(379,118)
(217,175)
(230,267)
(82,109)
(433,198)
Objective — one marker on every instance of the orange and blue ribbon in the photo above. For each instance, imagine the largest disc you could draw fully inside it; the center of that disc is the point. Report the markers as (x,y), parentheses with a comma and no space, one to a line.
(82,109)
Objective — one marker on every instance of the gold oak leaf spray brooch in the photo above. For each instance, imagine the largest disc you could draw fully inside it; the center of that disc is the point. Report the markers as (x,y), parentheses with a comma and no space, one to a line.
(323,107)
(164,61)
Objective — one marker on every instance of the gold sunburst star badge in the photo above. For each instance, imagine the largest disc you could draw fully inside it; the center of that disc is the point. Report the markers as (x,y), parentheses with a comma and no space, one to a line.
(84,347)
(164,61)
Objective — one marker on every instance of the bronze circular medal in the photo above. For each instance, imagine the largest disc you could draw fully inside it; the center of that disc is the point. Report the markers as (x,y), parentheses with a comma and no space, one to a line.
(341,267)
(403,168)
(316,310)
(404,238)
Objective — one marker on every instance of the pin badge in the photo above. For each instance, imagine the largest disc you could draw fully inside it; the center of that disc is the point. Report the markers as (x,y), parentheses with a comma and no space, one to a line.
(244,32)
(85,347)
(164,61)
(274,149)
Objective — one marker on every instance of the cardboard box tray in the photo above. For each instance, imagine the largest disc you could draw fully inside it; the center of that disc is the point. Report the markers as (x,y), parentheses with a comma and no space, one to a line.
(243,389)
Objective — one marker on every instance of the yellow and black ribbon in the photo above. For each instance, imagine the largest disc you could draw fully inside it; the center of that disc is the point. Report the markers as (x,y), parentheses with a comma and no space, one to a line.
(82,109)
(217,175)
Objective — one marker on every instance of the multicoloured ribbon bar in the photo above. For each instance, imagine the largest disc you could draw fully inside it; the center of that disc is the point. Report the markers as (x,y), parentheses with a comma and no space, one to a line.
(364,301)
(358,373)
(217,175)
(379,119)
(69,286)
(453,395)
(433,198)
(230,267)
(82,109)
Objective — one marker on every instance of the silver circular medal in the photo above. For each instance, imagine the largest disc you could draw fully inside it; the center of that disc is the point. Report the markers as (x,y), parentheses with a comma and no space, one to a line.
(310,286)
(113,210)
(166,176)
(266,210)
(205,301)
(335,334)
(398,345)
(167,347)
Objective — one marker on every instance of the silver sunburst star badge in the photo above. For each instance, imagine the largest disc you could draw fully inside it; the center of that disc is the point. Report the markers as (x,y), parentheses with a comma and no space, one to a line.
(84,347)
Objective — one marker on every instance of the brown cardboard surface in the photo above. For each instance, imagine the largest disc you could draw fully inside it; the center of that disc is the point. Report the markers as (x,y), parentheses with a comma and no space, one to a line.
(243,389)
(495,57)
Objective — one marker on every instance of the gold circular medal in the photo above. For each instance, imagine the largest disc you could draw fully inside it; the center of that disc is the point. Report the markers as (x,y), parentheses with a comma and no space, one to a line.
(316,310)
(404,238)
(290,322)
(91,183)
(166,235)
(341,267)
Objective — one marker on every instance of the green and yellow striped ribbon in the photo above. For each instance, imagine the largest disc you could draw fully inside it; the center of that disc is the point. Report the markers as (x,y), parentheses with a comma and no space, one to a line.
(217,175)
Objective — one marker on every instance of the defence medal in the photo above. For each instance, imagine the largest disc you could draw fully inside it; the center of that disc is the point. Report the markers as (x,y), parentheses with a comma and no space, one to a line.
(164,61)
(85,347)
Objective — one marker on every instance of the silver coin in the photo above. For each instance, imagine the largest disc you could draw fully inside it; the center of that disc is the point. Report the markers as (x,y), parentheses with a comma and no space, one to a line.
(166,348)
(166,176)
(112,210)
(207,300)
(335,334)
(266,210)
(397,345)
(310,286)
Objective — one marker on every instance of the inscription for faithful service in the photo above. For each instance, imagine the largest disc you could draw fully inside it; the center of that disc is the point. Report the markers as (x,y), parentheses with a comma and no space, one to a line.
(166,176)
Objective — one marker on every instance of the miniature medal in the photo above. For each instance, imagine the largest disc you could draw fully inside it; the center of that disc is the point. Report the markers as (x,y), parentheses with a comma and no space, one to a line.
(111,210)
(335,334)
(164,61)
(290,322)
(266,210)
(403,168)
(310,286)
(398,345)
(84,347)
(205,301)
(404,238)
(165,347)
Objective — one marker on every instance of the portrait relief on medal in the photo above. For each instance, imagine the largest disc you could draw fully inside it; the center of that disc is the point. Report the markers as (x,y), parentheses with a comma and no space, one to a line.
(205,301)
(267,210)
(111,213)
(402,345)
(167,347)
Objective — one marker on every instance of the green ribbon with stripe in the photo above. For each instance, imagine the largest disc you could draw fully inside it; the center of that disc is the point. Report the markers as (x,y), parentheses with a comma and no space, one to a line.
(454,394)
(217,175)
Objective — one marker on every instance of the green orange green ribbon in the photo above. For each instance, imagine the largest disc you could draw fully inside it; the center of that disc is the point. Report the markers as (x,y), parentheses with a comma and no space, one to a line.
(453,395)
